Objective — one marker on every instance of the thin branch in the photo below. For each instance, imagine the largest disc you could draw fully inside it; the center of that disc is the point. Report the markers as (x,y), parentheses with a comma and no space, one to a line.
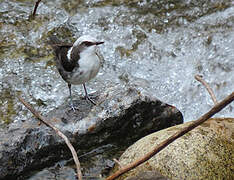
(43,120)
(218,107)
(199,78)
(35,8)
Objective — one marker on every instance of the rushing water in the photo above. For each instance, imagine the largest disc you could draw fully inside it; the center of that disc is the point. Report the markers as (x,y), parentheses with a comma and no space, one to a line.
(160,45)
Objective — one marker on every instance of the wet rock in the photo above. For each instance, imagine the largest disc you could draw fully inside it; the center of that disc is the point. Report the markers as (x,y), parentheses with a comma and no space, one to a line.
(148,175)
(123,114)
(204,153)
(61,173)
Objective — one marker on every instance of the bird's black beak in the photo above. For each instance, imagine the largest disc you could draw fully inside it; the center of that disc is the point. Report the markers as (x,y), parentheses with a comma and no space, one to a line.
(97,43)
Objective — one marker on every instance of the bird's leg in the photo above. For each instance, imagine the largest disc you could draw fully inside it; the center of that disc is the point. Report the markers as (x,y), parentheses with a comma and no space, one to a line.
(87,96)
(71,102)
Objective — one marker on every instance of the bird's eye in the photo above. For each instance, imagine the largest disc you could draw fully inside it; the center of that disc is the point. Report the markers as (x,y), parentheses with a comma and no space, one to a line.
(87,43)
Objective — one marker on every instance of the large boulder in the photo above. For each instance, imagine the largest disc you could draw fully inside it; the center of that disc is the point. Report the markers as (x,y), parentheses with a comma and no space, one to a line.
(203,153)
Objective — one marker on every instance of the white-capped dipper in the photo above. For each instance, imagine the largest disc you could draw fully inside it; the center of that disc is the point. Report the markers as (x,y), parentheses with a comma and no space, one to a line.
(77,63)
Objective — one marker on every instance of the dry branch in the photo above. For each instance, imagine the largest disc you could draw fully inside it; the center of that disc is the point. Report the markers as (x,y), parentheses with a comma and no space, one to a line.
(43,120)
(199,78)
(35,8)
(218,107)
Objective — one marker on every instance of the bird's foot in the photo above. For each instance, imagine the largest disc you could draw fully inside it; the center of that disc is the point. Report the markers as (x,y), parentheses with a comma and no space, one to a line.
(73,107)
(90,100)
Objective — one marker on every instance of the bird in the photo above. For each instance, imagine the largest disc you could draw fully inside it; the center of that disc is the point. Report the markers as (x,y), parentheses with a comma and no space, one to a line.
(77,63)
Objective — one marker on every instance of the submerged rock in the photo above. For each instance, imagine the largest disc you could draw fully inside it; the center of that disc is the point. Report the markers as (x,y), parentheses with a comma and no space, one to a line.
(203,153)
(123,114)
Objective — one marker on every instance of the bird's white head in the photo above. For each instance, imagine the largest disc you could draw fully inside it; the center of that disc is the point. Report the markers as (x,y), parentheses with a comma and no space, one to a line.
(84,38)
(84,45)
(87,44)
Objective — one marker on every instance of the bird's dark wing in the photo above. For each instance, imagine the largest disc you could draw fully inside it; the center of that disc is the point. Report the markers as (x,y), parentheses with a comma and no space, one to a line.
(61,49)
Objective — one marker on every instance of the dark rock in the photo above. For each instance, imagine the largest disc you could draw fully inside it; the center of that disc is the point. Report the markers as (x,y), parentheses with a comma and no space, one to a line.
(63,173)
(122,116)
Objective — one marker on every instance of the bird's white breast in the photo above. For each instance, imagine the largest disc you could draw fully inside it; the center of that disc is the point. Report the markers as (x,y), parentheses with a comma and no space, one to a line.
(89,65)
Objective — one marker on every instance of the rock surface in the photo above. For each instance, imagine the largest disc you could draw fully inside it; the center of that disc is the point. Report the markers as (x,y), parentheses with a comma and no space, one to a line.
(123,115)
(204,153)
(148,175)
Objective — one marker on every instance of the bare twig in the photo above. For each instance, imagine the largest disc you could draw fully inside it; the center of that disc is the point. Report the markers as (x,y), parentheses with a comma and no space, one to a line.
(218,107)
(35,8)
(199,78)
(43,120)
